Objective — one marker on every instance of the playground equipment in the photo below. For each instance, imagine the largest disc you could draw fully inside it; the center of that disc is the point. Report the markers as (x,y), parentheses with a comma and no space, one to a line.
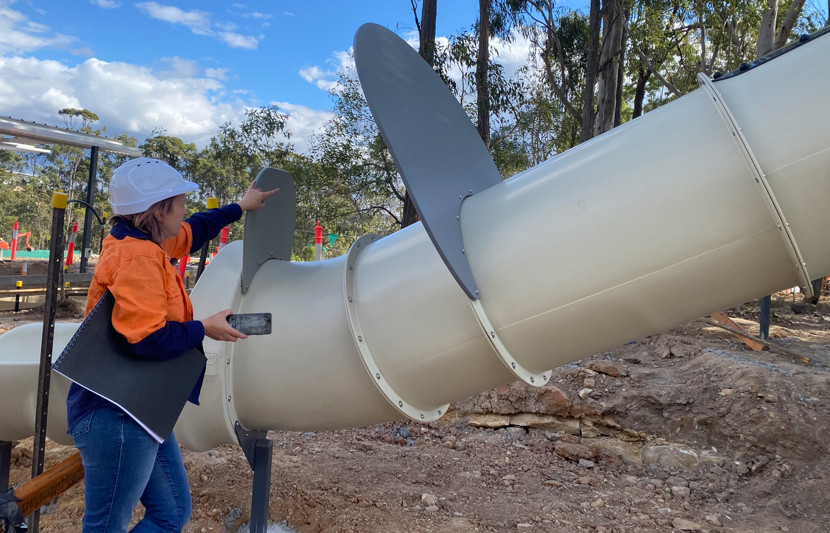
(700,205)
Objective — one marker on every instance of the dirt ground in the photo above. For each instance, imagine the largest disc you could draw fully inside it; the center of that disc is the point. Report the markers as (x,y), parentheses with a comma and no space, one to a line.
(689,430)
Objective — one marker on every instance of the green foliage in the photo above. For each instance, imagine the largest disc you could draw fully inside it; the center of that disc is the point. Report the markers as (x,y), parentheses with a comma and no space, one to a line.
(349,181)
(358,188)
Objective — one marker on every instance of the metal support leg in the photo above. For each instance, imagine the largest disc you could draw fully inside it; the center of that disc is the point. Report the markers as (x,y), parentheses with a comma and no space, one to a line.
(258,450)
(766,302)
(11,521)
(47,340)
(5,464)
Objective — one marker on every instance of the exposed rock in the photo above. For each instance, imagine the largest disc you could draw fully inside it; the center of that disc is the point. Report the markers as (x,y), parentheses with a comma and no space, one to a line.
(677,481)
(685,525)
(572,451)
(670,456)
(713,519)
(680,492)
(618,452)
(584,393)
(429,499)
(587,429)
(684,350)
(518,397)
(554,423)
(709,456)
(607,368)
(489,421)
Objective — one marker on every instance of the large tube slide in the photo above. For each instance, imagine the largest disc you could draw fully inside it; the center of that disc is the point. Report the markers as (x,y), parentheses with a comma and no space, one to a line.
(700,205)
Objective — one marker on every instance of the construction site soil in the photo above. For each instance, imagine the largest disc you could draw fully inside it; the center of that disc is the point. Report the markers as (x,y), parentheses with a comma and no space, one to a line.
(688,430)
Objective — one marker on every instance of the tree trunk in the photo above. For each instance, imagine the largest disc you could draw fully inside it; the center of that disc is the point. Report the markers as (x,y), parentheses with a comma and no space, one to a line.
(482,88)
(640,91)
(410,216)
(591,74)
(611,45)
(620,78)
(789,21)
(426,48)
(766,33)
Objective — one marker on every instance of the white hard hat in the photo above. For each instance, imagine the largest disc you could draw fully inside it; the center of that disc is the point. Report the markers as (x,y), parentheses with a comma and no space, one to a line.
(141,182)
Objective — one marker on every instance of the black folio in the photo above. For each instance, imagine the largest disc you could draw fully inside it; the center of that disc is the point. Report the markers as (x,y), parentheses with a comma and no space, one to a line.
(152,392)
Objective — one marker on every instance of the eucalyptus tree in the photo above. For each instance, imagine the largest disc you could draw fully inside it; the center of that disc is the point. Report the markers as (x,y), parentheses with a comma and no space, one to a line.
(172,150)
(360,182)
(561,42)
(65,163)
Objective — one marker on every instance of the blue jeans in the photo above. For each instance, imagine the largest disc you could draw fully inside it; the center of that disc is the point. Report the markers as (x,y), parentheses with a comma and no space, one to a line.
(123,465)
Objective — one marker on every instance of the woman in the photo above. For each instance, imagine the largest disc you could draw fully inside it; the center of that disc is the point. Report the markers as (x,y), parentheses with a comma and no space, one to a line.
(122,463)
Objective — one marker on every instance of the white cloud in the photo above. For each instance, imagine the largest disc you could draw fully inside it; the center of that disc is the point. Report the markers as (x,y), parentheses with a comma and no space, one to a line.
(226,26)
(237,40)
(18,34)
(217,73)
(128,98)
(199,23)
(182,68)
(512,55)
(244,13)
(326,79)
(344,59)
(323,79)
(303,122)
(106,4)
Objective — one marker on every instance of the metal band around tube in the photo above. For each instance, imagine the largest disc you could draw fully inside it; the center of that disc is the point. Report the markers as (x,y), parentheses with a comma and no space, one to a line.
(501,350)
(360,341)
(761,181)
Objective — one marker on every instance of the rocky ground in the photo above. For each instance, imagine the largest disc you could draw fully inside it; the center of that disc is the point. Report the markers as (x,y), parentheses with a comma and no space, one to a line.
(689,430)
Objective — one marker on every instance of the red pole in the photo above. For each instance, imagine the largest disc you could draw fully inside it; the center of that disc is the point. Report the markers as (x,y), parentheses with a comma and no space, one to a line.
(318,233)
(70,251)
(14,239)
(183,265)
(223,237)
(318,242)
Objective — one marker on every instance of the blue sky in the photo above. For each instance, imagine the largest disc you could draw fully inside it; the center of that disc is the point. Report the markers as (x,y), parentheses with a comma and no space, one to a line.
(188,66)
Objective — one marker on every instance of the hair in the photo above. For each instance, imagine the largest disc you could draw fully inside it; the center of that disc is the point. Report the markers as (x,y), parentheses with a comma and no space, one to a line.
(147,221)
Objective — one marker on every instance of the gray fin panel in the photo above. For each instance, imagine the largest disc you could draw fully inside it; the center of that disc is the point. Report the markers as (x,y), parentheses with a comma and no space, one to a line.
(269,232)
(438,152)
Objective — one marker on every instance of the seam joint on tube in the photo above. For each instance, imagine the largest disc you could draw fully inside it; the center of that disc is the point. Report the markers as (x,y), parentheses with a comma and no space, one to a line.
(763,186)
(514,366)
(362,344)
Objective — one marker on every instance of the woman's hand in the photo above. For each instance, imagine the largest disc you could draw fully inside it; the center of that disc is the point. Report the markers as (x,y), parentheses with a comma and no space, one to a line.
(218,329)
(255,198)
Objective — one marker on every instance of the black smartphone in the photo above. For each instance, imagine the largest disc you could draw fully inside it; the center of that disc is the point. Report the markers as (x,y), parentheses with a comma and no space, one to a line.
(251,323)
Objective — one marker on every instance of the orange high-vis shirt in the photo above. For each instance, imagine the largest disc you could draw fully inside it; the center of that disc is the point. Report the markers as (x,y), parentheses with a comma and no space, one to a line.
(148,290)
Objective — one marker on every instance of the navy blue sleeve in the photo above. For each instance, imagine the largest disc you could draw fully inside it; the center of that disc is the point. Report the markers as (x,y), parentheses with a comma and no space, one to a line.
(207,224)
(170,341)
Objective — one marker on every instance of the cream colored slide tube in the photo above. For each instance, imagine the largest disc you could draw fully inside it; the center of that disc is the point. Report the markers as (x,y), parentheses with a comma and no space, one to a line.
(700,205)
